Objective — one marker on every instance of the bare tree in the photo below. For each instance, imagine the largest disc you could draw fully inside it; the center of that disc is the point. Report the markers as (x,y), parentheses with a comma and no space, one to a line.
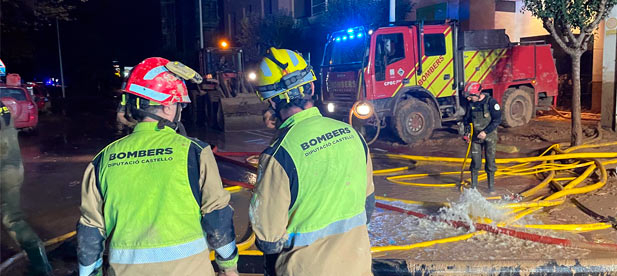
(257,34)
(562,19)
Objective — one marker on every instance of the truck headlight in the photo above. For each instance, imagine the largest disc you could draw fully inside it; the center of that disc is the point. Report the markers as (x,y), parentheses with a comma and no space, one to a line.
(252,76)
(330,107)
(363,110)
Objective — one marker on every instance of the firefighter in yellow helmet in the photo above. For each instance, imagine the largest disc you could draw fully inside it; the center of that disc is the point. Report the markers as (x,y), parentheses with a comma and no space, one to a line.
(314,192)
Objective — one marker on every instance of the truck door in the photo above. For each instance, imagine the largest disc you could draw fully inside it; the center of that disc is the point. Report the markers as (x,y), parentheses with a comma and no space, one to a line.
(392,59)
(438,61)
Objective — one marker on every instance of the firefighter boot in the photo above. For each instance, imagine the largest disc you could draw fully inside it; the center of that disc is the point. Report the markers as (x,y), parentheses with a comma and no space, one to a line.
(474,179)
(39,265)
(491,182)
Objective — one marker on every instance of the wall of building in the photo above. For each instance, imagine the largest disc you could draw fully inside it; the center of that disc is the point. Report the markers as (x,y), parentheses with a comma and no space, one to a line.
(519,24)
(609,68)
(472,14)
(235,10)
(451,6)
(302,8)
(478,14)
(286,7)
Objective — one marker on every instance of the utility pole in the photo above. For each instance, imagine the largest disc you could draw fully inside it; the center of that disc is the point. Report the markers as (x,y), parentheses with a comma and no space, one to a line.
(201,26)
(392,11)
(60,57)
(0,26)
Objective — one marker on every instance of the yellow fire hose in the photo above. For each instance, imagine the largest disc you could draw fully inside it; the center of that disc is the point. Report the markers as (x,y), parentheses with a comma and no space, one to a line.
(469,141)
(525,208)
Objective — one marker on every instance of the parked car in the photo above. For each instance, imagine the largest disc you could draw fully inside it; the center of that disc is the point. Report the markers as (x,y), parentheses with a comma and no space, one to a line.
(24,111)
(39,95)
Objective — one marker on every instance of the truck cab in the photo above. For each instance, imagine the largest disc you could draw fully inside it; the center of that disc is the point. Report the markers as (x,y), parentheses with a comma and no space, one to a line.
(411,75)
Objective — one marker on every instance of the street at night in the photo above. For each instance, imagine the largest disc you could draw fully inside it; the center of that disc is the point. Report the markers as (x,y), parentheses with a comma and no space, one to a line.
(308,137)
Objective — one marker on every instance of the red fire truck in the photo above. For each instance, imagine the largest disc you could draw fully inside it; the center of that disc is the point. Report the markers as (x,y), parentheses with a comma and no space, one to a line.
(410,76)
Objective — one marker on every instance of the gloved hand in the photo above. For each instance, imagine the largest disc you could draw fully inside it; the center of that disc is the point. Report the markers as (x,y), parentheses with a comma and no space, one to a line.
(229,272)
(269,119)
(228,267)
(466,137)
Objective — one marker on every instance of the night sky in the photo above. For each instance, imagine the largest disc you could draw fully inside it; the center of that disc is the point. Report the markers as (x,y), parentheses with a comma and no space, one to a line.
(100,31)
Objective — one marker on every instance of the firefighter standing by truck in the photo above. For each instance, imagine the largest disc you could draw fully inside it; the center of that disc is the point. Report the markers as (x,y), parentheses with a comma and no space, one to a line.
(154,193)
(314,193)
(484,113)
(11,178)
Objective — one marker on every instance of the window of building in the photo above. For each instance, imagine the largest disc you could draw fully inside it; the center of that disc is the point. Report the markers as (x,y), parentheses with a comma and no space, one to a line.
(434,45)
(390,49)
(505,6)
(319,7)
(268,6)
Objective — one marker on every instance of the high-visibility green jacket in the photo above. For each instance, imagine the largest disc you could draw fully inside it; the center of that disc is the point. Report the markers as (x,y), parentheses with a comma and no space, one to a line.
(155,194)
(310,200)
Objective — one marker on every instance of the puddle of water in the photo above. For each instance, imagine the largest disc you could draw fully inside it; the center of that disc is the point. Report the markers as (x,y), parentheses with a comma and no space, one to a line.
(392,228)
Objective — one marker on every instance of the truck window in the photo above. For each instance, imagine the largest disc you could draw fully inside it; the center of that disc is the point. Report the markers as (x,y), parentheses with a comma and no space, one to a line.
(389,49)
(348,51)
(434,45)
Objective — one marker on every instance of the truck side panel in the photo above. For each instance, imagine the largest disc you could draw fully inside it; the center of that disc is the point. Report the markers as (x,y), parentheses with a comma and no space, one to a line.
(520,65)
(546,72)
(481,65)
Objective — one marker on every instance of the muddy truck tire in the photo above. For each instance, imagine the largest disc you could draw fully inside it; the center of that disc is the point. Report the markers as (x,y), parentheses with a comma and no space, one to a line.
(414,121)
(517,108)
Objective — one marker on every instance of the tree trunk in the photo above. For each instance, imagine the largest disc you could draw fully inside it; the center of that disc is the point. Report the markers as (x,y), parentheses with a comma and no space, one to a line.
(577,130)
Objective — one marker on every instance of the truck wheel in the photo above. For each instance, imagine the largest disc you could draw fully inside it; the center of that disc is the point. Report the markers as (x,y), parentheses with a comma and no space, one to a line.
(414,121)
(517,108)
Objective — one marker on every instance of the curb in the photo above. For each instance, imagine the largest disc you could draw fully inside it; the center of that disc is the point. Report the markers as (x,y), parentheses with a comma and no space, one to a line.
(601,266)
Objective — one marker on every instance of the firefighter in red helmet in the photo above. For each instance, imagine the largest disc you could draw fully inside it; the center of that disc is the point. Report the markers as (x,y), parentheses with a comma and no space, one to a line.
(484,112)
(156,196)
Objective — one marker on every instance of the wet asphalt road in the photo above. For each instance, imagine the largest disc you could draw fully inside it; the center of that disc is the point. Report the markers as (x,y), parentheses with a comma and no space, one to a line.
(56,155)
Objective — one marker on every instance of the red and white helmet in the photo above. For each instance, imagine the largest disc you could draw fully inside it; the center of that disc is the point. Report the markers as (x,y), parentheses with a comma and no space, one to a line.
(472,88)
(151,80)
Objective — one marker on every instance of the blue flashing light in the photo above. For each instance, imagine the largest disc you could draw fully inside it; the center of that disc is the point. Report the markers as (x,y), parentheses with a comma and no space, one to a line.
(359,35)
(345,38)
(350,30)
(351,37)
(338,38)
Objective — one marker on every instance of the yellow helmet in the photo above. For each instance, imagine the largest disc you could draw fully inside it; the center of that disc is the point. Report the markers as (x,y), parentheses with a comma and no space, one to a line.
(283,73)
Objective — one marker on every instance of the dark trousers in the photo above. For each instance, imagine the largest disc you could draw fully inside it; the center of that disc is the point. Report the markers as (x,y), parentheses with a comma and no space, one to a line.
(488,146)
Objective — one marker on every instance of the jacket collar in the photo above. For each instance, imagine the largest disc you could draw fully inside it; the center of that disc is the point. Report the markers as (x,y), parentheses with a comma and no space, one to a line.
(151,126)
(301,116)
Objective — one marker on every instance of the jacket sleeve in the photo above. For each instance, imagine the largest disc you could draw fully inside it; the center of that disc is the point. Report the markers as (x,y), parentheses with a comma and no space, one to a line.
(217,219)
(369,205)
(495,111)
(467,118)
(91,225)
(268,210)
